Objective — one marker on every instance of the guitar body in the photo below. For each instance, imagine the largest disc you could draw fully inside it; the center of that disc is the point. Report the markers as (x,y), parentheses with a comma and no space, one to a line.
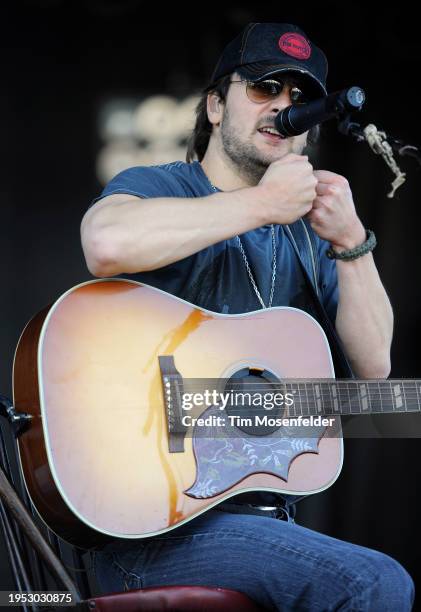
(96,458)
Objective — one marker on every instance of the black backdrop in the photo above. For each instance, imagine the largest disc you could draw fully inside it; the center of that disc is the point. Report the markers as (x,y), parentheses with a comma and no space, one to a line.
(60,59)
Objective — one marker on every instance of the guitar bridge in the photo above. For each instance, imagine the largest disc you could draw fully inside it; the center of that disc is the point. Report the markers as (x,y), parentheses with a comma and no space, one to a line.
(172,388)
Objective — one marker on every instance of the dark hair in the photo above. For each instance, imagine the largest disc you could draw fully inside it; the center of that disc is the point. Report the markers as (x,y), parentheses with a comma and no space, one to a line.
(200,136)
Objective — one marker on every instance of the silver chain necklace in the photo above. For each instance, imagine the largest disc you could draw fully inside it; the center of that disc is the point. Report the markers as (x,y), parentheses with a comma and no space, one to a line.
(249,272)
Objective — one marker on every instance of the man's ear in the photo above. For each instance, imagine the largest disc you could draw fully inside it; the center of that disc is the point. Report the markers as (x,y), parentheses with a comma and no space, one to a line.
(215,108)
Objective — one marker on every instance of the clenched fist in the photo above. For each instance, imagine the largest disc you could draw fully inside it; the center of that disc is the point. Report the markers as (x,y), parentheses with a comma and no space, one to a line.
(333,216)
(287,189)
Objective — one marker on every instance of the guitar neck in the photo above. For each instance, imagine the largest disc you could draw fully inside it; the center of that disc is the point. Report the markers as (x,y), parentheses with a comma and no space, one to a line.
(345,397)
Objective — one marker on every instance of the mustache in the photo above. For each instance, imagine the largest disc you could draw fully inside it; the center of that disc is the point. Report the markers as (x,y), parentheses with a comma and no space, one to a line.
(267,122)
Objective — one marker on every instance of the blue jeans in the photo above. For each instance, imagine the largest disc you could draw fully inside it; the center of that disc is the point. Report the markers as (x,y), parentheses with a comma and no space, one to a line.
(278,563)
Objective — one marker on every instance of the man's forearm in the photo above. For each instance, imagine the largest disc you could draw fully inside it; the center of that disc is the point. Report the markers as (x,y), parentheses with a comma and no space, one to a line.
(129,234)
(364,319)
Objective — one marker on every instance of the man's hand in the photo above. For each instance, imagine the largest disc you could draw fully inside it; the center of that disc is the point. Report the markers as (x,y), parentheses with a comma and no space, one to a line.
(287,189)
(333,216)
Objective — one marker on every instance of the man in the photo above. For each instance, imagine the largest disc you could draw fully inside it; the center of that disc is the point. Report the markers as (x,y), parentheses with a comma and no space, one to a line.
(219,232)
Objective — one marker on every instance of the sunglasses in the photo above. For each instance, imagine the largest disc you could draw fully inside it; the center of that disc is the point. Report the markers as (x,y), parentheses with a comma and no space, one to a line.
(267,90)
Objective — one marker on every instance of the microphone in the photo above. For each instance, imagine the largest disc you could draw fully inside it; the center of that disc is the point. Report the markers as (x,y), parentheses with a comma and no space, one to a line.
(299,118)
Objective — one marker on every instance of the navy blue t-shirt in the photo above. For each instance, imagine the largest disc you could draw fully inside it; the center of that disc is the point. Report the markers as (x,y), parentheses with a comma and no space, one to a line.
(216,278)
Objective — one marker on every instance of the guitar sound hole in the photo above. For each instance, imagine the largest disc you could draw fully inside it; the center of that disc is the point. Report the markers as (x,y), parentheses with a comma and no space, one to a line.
(256,401)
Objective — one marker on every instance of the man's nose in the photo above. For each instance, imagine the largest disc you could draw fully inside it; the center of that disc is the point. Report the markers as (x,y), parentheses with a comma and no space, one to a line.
(281,101)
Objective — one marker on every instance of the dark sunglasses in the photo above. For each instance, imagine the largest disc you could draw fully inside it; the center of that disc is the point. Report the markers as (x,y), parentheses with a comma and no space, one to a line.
(267,90)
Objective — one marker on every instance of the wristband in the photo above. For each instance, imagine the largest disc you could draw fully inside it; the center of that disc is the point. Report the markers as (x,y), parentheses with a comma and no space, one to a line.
(358,251)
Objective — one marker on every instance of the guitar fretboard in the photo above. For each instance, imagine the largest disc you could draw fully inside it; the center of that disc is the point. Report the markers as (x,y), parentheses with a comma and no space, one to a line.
(313,397)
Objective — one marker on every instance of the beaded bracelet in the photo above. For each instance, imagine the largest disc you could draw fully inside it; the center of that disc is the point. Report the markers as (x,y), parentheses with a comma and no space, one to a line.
(358,251)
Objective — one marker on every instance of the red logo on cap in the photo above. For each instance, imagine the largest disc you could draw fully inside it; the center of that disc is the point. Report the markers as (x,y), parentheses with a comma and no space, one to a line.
(296,45)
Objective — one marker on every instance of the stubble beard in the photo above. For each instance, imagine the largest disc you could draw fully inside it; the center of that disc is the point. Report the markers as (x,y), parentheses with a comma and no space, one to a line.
(245,157)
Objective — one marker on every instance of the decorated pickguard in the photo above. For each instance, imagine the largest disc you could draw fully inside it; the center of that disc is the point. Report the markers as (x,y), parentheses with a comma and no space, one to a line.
(225,454)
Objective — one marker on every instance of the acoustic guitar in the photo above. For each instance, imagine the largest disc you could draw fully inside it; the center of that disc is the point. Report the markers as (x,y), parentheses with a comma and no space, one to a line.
(113,449)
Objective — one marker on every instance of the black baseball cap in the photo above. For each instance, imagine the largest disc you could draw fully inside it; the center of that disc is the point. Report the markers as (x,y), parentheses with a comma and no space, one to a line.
(264,50)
